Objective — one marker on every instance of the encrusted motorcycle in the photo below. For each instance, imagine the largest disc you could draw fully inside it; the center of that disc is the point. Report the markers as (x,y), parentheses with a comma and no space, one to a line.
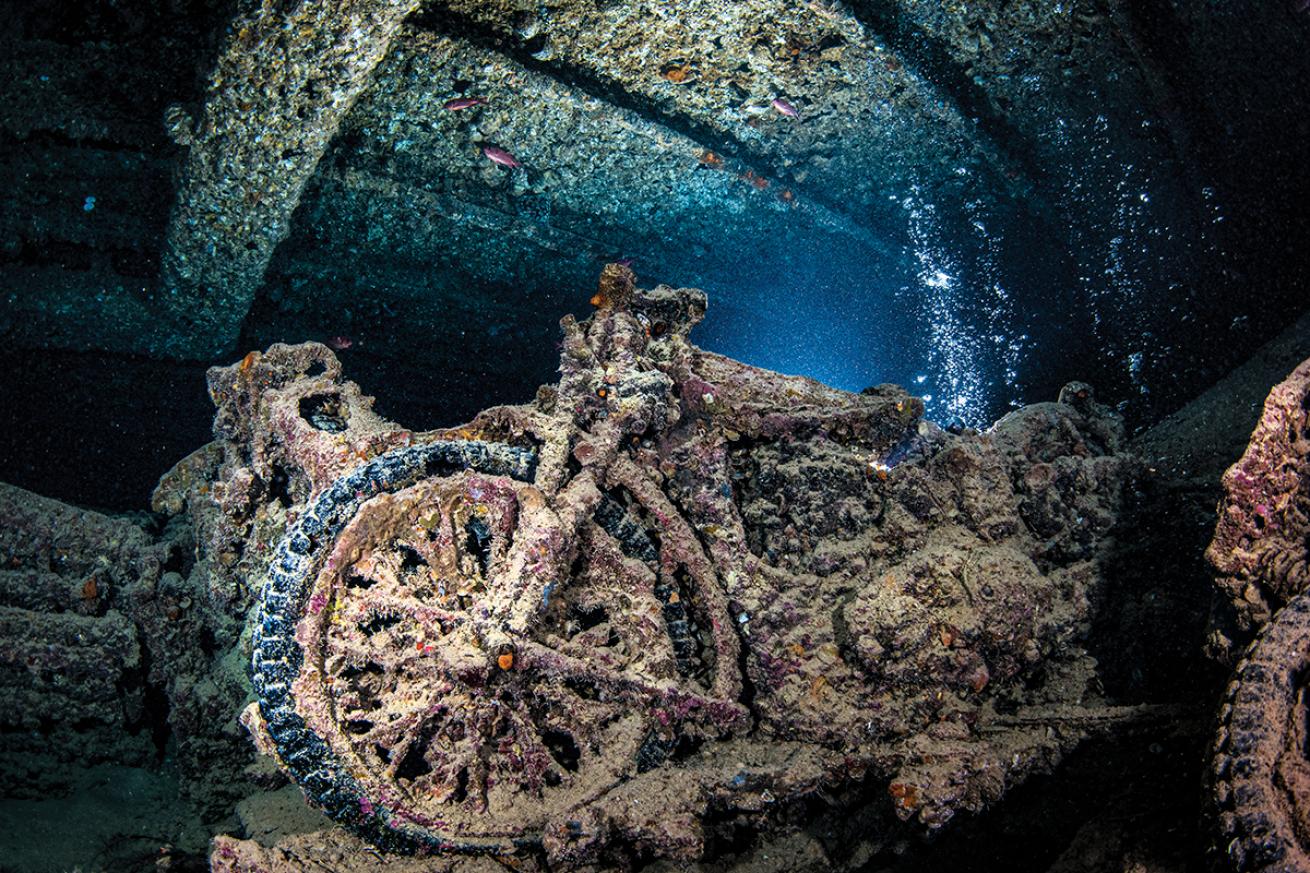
(673,593)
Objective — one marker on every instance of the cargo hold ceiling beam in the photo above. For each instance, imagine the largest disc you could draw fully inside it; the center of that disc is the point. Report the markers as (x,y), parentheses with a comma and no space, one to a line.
(288,74)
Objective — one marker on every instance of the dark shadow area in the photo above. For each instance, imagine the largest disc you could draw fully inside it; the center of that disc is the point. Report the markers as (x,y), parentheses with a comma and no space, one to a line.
(95,429)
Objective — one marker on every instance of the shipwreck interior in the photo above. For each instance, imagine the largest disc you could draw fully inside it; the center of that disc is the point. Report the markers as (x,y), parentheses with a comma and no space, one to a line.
(251,249)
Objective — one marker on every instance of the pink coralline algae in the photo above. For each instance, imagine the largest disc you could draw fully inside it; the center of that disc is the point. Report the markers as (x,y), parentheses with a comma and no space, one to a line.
(673,592)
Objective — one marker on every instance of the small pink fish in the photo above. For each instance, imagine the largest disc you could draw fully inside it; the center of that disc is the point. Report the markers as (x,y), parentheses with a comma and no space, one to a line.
(500,156)
(784,107)
(464,103)
(340,342)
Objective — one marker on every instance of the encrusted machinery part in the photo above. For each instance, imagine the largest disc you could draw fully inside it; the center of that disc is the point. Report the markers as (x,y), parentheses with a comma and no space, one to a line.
(1260,773)
(1261,545)
(287,426)
(73,672)
(105,632)
(73,691)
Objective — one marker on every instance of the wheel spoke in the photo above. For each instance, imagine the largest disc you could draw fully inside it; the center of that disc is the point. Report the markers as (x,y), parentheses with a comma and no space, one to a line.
(463,669)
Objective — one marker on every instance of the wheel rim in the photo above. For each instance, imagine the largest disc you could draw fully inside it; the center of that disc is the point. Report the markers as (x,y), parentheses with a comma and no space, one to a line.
(431,668)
